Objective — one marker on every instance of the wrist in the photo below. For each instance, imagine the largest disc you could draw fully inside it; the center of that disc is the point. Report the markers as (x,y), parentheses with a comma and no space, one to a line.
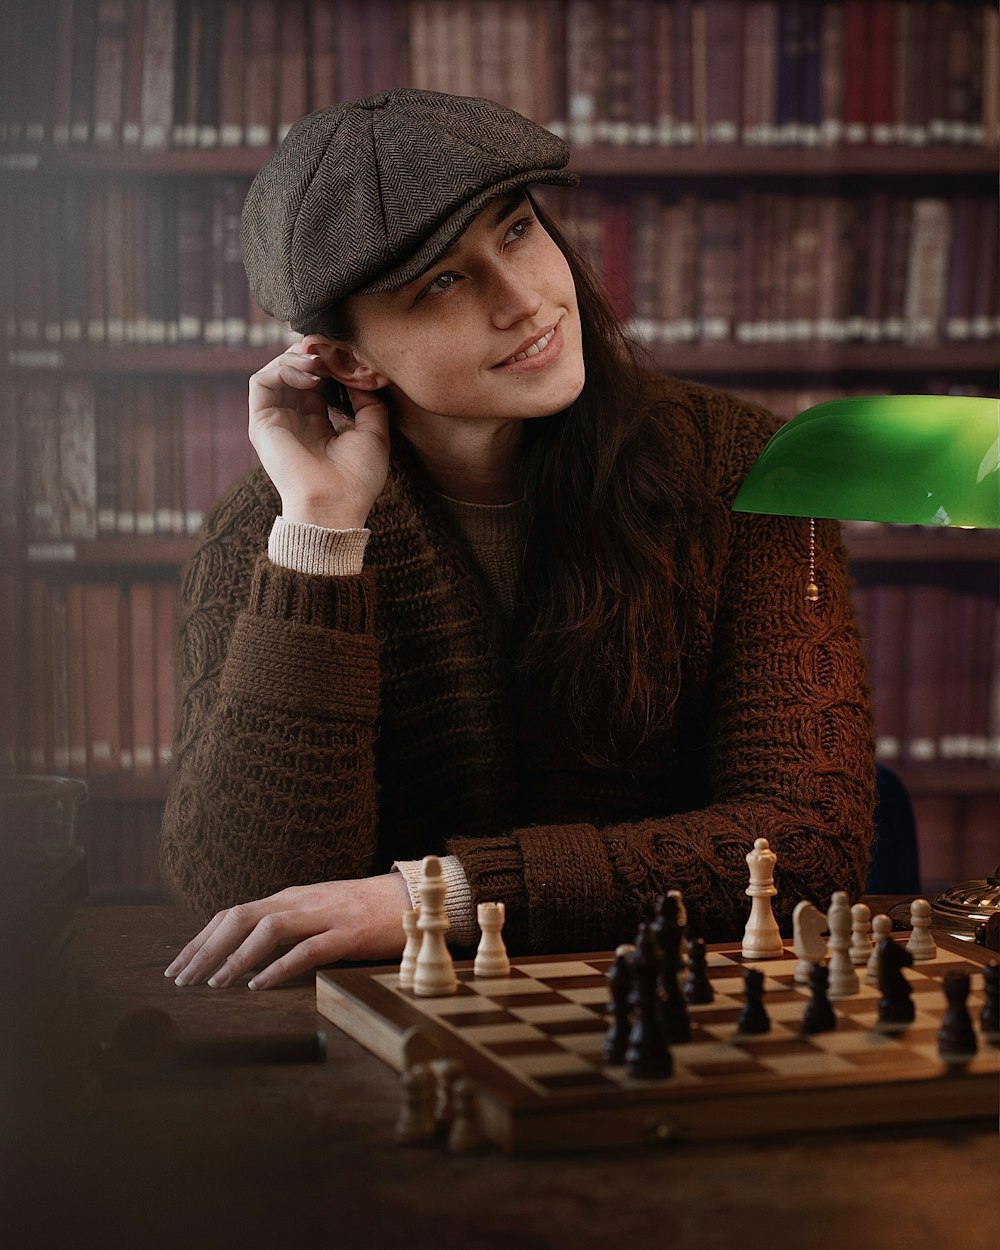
(331,517)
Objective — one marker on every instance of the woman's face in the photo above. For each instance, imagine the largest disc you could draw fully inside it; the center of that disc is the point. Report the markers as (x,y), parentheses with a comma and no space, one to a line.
(490,332)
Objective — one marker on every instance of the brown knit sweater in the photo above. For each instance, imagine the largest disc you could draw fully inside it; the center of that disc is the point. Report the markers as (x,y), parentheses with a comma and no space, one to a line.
(330,725)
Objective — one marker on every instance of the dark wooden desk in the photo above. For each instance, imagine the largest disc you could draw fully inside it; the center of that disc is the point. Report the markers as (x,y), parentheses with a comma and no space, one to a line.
(303,1154)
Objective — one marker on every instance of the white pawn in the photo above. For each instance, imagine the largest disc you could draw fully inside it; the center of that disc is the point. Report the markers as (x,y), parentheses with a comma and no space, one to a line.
(761,939)
(416,1124)
(410,950)
(466,1132)
(861,934)
(921,945)
(446,1073)
(491,954)
(881,928)
(434,973)
(808,927)
(682,919)
(843,979)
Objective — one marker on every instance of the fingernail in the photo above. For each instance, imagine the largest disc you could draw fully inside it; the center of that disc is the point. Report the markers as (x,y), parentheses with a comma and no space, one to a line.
(256,983)
(217,982)
(181,980)
(171,969)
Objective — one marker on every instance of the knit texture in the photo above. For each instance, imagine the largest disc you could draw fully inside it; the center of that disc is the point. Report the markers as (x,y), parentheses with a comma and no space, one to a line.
(331,725)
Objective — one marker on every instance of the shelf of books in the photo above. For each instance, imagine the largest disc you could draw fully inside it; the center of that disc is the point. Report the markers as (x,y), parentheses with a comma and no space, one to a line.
(789,199)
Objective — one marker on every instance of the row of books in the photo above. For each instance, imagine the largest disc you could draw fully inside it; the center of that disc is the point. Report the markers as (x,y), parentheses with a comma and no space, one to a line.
(127,457)
(117,263)
(96,694)
(769,267)
(207,73)
(933,655)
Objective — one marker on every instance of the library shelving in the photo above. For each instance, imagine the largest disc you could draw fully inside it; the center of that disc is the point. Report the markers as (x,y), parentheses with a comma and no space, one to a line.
(800,146)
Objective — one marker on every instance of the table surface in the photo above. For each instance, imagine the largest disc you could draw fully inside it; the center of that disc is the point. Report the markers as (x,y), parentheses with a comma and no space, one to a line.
(253,1156)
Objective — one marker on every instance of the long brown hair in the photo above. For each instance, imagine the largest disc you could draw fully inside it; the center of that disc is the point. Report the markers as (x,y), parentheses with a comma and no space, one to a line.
(602,591)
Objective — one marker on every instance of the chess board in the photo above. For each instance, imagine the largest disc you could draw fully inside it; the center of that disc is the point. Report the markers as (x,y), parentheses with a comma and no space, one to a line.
(532,1043)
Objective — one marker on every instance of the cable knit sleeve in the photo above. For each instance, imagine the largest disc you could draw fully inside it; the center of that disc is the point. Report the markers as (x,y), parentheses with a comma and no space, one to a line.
(788,753)
(278,691)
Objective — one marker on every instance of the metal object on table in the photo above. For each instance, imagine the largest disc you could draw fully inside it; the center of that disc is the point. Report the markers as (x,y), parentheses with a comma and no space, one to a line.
(963,908)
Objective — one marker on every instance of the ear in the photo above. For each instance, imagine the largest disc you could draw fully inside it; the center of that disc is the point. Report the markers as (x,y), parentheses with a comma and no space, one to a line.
(342,362)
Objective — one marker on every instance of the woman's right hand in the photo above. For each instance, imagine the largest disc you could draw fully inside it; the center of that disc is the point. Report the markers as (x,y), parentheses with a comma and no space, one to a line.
(327,468)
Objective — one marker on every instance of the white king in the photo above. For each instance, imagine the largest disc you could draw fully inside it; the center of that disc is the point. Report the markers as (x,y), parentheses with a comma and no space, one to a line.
(761,939)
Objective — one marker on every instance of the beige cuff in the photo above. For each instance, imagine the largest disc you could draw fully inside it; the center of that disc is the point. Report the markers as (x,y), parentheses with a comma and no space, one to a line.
(463,928)
(313,549)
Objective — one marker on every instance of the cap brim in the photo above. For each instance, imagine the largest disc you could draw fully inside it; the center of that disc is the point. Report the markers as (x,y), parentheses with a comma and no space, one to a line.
(445,235)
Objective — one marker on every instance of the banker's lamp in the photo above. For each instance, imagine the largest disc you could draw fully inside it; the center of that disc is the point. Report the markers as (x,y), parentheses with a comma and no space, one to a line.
(908,459)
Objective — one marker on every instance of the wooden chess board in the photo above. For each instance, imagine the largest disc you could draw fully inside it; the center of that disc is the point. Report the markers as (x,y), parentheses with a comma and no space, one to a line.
(532,1043)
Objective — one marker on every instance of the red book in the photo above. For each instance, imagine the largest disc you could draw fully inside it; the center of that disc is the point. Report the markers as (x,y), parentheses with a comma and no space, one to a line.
(57,628)
(126,491)
(831,74)
(293,77)
(135,21)
(724,53)
(143,680)
(856,54)
(146,453)
(888,617)
(123,628)
(166,511)
(102,668)
(615,256)
(926,637)
(991,77)
(76,686)
(880,111)
(986,294)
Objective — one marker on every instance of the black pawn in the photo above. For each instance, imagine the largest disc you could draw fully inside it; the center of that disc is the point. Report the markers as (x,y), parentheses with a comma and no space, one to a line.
(956,1038)
(697,987)
(753,1017)
(896,1004)
(819,1015)
(647,1056)
(989,1017)
(667,931)
(620,985)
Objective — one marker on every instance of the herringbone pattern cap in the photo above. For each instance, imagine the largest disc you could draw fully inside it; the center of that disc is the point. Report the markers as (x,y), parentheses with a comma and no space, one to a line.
(363,197)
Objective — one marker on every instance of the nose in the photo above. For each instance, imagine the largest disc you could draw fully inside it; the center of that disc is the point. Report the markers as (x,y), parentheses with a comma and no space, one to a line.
(514,297)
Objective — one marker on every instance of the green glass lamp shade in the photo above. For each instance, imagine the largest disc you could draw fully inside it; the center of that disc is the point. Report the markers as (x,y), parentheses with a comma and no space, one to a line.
(912,459)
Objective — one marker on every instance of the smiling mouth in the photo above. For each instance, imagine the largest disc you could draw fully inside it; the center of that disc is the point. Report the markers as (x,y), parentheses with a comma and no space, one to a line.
(539,345)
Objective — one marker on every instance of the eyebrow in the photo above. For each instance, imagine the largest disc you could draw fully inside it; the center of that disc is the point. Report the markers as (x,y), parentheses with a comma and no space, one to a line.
(509,204)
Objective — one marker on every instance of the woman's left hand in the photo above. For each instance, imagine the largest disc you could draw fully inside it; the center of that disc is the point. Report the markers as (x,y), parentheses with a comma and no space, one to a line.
(320,923)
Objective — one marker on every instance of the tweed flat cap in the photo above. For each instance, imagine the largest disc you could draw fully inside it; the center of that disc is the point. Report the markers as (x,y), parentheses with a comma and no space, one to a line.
(363,197)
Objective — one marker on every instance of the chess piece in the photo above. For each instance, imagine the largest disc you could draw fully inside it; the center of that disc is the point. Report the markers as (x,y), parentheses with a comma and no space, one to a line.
(647,1056)
(697,987)
(843,979)
(413,936)
(416,1125)
(682,920)
(989,1017)
(881,928)
(895,1007)
(808,927)
(988,934)
(761,939)
(619,1007)
(956,1038)
(446,1073)
(434,973)
(819,1015)
(466,1134)
(861,934)
(921,944)
(753,1018)
(491,955)
(667,930)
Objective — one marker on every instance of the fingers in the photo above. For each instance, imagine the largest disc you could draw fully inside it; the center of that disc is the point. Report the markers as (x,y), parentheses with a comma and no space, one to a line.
(207,952)
(184,957)
(322,948)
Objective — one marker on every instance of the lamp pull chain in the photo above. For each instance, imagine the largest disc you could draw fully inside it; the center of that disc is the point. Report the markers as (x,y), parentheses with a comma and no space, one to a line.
(812,590)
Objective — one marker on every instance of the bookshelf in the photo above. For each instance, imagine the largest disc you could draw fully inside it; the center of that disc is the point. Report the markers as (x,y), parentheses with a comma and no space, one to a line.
(129,132)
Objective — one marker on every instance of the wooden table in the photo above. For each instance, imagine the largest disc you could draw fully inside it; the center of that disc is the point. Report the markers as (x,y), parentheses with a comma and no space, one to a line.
(303,1154)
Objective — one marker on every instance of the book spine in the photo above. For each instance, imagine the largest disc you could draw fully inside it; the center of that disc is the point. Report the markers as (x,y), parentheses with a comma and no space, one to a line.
(789,104)
(962,265)
(143,680)
(192,260)
(618,74)
(889,612)
(187,41)
(77,460)
(925,642)
(585,73)
(645,236)
(321,51)
(718,248)
(810,75)
(208,69)
(986,291)
(106,452)
(82,89)
(462,50)
(990,91)
(134,45)
(165,636)
(41,462)
(724,34)
(62,83)
(683,77)
(197,470)
(102,666)
(259,79)
(663,73)
(293,78)
(879,113)
(109,71)
(156,111)
(77,728)
(926,270)
(855,72)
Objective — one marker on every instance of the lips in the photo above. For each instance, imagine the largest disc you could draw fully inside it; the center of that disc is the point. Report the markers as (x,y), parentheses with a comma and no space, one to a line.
(531,347)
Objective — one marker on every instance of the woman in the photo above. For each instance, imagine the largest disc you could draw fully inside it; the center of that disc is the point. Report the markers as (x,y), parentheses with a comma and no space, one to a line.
(504,614)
